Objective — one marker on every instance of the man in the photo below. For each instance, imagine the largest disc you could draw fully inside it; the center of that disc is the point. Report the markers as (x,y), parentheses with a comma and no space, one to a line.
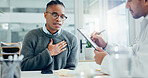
(50,47)
(138,8)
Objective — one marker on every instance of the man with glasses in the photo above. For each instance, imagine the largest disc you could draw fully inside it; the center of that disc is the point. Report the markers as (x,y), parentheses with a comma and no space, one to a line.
(138,8)
(50,47)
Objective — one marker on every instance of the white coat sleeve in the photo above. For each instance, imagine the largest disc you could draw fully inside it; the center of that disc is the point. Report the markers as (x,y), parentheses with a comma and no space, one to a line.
(110,49)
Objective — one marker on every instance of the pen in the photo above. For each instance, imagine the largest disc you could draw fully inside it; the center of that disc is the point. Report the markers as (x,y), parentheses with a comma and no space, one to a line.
(101,32)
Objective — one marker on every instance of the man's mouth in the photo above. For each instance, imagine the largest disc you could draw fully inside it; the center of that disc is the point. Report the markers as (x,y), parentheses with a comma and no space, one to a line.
(57,24)
(131,11)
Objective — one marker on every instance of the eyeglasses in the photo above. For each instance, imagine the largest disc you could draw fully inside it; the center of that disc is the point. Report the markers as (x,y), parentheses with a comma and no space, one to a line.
(129,0)
(55,15)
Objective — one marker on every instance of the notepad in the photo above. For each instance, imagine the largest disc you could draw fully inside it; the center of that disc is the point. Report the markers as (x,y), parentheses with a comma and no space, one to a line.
(87,37)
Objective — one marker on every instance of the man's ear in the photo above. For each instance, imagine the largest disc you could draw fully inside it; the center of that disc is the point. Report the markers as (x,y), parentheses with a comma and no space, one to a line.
(45,14)
(146,3)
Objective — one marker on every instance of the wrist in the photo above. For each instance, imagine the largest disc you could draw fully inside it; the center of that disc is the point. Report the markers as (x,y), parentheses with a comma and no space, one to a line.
(50,52)
(104,46)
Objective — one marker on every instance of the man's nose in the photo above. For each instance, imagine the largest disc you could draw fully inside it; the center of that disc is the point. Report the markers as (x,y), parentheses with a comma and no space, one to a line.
(59,19)
(127,5)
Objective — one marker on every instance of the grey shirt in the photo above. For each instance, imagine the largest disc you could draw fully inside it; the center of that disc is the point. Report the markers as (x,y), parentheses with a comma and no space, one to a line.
(37,56)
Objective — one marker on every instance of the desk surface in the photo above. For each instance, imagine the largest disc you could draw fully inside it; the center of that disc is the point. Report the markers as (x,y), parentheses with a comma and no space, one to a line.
(37,74)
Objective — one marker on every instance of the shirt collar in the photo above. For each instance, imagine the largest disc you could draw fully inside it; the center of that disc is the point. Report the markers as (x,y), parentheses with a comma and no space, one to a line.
(146,17)
(47,32)
(143,24)
(145,21)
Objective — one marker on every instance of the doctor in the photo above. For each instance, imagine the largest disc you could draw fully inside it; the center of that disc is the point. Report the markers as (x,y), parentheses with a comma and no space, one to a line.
(138,8)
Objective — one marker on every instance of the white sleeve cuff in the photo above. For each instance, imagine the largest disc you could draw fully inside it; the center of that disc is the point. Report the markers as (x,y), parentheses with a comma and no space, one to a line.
(109,48)
(105,64)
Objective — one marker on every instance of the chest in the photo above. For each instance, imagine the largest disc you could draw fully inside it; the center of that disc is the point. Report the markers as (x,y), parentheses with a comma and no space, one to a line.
(43,42)
(142,43)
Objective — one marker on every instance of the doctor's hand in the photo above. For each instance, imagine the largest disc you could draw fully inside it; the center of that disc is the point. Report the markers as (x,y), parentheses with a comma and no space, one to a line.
(98,39)
(57,48)
(99,55)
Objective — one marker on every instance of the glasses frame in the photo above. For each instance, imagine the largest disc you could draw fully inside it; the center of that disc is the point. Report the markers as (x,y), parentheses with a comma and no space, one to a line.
(65,17)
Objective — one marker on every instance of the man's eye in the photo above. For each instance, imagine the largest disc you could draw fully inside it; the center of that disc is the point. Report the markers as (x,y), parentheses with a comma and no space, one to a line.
(62,17)
(55,15)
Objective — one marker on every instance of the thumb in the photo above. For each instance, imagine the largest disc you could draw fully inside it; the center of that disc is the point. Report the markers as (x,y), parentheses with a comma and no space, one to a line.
(51,41)
(93,33)
(95,51)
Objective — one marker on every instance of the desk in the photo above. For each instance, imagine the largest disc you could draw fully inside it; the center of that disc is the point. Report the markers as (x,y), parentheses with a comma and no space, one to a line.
(37,74)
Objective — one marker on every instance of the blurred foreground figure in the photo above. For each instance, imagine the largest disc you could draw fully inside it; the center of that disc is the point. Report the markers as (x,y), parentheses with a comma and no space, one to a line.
(10,68)
(138,8)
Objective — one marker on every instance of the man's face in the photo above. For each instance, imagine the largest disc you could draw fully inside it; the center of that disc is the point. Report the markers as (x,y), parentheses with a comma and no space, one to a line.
(136,8)
(54,24)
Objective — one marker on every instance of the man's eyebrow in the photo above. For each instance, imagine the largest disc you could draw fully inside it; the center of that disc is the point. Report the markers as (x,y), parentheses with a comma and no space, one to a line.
(55,12)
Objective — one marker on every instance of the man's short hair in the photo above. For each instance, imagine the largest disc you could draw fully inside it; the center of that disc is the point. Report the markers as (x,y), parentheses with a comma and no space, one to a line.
(54,2)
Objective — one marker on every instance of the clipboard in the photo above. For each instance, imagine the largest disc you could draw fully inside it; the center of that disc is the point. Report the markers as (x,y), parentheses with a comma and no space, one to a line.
(87,37)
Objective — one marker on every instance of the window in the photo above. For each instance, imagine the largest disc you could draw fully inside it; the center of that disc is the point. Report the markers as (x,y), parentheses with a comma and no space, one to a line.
(110,15)
(21,16)
(117,24)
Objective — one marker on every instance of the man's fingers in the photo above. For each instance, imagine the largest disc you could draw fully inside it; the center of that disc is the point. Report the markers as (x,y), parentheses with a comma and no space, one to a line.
(58,52)
(95,51)
(63,50)
(94,33)
(61,42)
(57,48)
(98,50)
(62,45)
(97,36)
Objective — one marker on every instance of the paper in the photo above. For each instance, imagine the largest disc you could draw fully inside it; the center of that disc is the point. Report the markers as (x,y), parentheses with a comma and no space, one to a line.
(87,37)
(65,73)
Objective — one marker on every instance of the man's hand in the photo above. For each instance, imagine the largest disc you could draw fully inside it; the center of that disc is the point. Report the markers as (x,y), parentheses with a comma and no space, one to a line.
(57,48)
(98,39)
(99,55)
